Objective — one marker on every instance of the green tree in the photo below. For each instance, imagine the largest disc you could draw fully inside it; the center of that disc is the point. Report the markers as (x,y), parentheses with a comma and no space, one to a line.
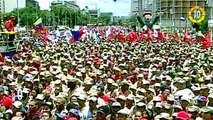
(105,18)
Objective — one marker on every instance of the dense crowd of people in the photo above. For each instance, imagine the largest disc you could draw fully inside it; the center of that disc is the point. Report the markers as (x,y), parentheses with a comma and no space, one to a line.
(158,80)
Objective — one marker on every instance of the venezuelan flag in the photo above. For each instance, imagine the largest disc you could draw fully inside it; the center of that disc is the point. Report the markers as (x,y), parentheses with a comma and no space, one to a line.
(38,24)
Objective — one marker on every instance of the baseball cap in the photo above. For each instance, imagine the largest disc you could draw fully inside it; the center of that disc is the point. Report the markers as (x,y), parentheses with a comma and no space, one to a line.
(183,115)
(202,98)
(74,111)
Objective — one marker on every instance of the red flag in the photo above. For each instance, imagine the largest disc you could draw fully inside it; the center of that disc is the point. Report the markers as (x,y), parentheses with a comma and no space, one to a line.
(160,35)
(177,38)
(133,37)
(167,36)
(207,42)
(142,36)
(150,36)
(1,58)
(121,37)
(72,40)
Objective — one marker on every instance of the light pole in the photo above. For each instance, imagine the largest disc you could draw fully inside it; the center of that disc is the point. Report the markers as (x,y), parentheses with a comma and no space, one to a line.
(17,3)
(160,11)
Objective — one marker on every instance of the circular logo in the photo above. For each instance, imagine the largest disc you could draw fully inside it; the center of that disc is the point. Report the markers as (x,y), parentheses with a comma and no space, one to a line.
(197,14)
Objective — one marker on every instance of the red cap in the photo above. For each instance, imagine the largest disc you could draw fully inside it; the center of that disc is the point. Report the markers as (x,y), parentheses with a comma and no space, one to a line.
(12,17)
(147,12)
(38,62)
(134,72)
(183,115)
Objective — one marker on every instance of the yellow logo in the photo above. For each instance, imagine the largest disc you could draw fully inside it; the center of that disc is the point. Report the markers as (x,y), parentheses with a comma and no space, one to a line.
(197,14)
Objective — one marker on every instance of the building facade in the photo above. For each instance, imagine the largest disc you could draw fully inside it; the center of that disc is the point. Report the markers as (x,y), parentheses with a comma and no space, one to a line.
(2,6)
(94,13)
(10,5)
(134,7)
(69,3)
(174,10)
(138,6)
(32,3)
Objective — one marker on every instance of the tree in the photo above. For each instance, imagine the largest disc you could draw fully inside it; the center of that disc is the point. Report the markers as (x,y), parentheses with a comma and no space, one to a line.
(105,18)
(59,15)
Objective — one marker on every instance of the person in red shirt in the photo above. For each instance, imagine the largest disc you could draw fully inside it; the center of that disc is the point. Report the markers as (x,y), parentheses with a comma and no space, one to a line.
(10,27)
(4,100)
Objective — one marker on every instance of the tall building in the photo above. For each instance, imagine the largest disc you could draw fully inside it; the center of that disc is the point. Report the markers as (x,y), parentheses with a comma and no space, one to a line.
(134,7)
(10,5)
(94,13)
(176,9)
(68,3)
(210,6)
(2,6)
(32,3)
(138,6)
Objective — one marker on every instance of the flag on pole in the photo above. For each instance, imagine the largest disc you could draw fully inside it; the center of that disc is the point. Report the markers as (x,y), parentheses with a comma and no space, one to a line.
(38,24)
(76,35)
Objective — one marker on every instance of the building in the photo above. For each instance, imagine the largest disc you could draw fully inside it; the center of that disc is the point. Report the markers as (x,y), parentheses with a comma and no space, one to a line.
(94,13)
(32,3)
(10,5)
(138,6)
(134,7)
(210,6)
(69,3)
(176,9)
(2,6)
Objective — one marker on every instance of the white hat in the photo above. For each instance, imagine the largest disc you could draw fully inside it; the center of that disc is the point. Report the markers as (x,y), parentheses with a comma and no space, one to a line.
(116,104)
(9,111)
(57,82)
(158,105)
(124,111)
(110,80)
(25,90)
(40,97)
(12,83)
(17,104)
(94,99)
(122,97)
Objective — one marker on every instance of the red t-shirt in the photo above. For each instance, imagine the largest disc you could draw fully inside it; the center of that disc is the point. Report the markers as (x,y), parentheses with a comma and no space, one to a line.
(9,25)
(6,102)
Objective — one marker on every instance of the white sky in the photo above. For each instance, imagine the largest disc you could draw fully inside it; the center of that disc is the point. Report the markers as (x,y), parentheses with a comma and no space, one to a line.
(119,8)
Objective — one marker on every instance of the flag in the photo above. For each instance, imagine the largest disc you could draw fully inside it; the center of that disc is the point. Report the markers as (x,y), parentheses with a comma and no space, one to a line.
(121,37)
(76,35)
(207,42)
(160,35)
(38,24)
(133,37)
(199,37)
(188,38)
(150,36)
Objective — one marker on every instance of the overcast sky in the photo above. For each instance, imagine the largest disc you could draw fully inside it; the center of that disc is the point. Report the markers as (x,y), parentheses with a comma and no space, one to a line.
(119,8)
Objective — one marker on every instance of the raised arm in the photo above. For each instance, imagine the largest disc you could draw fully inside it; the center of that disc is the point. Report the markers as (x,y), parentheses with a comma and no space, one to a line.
(140,21)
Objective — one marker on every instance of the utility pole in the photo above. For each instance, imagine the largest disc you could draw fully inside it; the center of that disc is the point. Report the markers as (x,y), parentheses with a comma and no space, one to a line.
(160,12)
(140,7)
(173,15)
(17,3)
